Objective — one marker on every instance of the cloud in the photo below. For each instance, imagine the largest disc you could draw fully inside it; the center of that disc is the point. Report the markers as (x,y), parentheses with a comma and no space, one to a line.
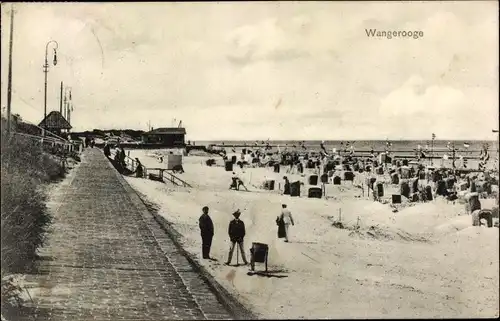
(421,109)
(268,40)
(222,67)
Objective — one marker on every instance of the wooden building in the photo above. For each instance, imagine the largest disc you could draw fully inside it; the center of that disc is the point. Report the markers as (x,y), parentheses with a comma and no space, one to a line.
(166,137)
(55,123)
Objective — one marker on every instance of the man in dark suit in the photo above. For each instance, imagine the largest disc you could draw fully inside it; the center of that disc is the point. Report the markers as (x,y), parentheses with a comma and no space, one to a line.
(236,234)
(207,232)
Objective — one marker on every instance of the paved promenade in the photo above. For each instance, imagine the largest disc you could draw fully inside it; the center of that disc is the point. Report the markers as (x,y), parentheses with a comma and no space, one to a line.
(108,259)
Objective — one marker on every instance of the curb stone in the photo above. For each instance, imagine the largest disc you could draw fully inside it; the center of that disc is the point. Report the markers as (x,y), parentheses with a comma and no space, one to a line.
(234,307)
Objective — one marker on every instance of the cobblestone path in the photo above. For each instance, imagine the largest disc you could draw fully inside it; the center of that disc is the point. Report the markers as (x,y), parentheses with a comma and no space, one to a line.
(106,260)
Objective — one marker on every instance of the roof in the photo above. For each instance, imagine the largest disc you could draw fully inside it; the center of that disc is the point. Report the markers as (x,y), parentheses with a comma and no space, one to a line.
(55,120)
(166,131)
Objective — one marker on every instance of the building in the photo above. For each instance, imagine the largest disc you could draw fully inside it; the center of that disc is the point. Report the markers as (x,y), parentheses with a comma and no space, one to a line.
(166,137)
(55,123)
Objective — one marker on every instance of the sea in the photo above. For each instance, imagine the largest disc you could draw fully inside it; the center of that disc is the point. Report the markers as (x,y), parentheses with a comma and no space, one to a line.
(438,146)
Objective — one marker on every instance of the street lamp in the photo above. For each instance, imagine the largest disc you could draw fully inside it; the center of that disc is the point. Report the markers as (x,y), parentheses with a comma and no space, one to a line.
(432,148)
(46,70)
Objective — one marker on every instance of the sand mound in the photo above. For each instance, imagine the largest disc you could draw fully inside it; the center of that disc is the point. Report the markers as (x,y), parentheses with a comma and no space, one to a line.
(454,225)
(384,233)
(197,152)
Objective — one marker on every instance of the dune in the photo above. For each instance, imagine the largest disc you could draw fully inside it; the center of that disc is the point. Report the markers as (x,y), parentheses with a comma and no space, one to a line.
(426,260)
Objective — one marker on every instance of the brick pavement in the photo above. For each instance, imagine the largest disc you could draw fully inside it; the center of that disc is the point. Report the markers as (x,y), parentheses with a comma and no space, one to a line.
(107,259)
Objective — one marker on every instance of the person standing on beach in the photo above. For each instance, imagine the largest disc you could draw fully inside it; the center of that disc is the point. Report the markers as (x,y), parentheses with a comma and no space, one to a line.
(207,232)
(236,234)
(287,218)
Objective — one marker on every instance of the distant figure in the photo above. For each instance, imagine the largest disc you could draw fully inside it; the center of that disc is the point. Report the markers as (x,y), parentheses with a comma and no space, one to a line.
(236,183)
(117,161)
(236,235)
(92,143)
(207,232)
(286,188)
(322,146)
(107,150)
(287,218)
(122,157)
(281,227)
(139,171)
(178,169)
(87,142)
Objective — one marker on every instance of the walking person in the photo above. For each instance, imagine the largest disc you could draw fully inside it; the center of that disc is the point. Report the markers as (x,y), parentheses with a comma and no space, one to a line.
(123,157)
(287,218)
(107,150)
(207,232)
(236,234)
(139,170)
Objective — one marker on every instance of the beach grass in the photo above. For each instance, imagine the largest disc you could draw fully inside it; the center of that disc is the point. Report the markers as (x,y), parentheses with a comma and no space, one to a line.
(25,172)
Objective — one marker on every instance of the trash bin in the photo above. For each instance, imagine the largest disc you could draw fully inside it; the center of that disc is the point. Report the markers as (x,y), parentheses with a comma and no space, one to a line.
(259,253)
(229,166)
(315,192)
(276,168)
(324,178)
(337,180)
(234,159)
(313,180)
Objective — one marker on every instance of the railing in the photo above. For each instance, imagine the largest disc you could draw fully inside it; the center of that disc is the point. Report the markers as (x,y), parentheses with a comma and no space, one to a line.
(55,146)
(161,171)
(170,177)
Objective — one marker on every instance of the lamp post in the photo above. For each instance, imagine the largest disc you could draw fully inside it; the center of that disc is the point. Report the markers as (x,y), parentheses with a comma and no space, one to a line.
(432,148)
(46,70)
(9,84)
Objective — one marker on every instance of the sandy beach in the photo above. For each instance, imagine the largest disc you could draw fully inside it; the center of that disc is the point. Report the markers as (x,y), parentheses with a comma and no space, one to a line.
(424,261)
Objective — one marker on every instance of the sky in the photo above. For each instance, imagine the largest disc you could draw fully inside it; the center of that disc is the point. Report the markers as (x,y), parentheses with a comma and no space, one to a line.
(277,70)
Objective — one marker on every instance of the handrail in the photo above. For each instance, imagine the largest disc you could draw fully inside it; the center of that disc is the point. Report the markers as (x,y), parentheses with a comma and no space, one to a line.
(49,139)
(171,177)
(43,129)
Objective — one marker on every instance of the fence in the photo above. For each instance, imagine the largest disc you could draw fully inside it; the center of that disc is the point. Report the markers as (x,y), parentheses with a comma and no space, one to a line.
(162,172)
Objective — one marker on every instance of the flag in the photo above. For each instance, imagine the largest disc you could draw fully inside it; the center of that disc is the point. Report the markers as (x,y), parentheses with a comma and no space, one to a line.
(466,145)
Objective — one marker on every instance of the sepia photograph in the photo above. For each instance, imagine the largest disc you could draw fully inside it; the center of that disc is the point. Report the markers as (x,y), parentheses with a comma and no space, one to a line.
(249,160)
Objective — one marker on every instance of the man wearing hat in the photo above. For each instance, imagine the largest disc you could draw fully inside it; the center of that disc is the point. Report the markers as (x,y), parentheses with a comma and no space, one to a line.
(236,235)
(207,232)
